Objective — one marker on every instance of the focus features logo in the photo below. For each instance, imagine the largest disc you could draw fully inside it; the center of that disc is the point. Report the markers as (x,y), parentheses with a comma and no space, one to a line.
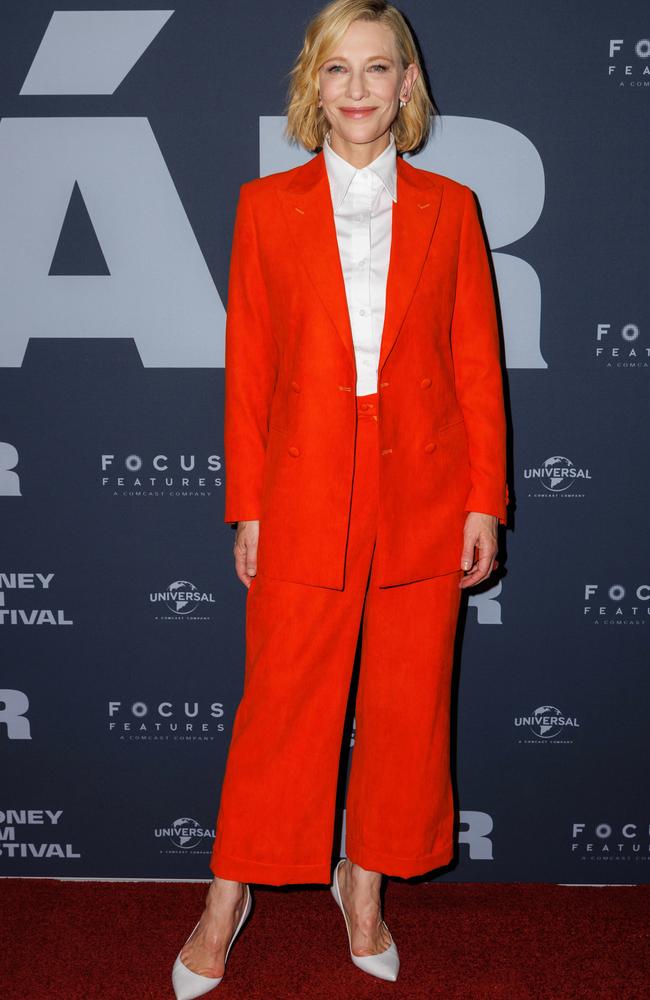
(19,839)
(182,598)
(185,835)
(609,842)
(165,721)
(616,604)
(621,346)
(547,723)
(557,475)
(628,63)
(22,582)
(160,476)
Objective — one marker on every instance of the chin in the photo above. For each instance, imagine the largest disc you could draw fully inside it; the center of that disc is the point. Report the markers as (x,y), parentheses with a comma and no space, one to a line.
(360,131)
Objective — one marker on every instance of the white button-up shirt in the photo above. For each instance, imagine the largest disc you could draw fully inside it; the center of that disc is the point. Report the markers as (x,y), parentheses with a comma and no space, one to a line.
(362,200)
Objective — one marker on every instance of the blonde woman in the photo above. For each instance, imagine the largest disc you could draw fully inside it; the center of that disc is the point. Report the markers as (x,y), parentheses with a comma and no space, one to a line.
(365,471)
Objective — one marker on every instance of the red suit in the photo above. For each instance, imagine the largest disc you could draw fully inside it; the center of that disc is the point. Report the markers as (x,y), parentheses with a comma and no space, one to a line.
(361,503)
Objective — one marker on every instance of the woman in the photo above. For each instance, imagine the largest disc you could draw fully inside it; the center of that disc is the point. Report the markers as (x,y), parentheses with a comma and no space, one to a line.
(365,468)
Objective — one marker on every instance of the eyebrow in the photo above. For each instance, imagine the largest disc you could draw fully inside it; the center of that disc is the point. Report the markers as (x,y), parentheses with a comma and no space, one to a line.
(369,59)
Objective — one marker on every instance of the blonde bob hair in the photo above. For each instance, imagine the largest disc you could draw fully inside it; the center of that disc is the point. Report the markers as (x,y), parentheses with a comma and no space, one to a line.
(306,122)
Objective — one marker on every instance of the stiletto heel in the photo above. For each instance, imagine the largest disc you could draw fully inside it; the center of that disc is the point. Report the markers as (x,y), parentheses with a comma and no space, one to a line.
(187,984)
(385,965)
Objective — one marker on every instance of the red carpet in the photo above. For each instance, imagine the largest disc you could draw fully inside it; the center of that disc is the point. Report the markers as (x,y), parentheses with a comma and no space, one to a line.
(87,940)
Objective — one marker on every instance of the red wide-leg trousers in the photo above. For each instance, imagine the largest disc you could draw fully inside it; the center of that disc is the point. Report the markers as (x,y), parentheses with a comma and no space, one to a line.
(276,813)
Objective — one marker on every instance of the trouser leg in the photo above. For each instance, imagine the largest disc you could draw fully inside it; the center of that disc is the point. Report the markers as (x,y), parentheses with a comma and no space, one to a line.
(276,813)
(399,815)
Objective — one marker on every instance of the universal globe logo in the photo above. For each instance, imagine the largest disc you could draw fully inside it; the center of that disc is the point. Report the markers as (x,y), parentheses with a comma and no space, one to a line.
(182,597)
(547,722)
(185,833)
(557,473)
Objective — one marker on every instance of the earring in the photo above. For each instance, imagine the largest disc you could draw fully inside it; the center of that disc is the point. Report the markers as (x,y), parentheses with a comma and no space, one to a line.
(402,104)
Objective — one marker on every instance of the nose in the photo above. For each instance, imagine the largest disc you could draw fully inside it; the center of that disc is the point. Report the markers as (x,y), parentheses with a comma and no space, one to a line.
(356,89)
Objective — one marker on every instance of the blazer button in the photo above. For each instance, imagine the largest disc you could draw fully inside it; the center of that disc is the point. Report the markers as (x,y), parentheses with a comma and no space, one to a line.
(425,383)
(295,387)
(431,446)
(293,450)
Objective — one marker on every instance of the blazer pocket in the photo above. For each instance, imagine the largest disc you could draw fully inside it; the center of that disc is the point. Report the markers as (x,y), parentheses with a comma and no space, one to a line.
(453,423)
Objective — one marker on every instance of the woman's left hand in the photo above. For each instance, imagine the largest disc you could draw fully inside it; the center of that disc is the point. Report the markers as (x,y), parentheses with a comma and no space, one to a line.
(480,532)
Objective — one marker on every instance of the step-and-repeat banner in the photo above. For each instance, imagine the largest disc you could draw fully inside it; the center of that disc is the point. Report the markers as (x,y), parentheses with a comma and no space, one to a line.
(124,136)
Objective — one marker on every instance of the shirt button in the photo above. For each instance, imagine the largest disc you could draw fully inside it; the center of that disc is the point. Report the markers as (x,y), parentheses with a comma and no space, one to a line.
(362,262)
(359,218)
(362,312)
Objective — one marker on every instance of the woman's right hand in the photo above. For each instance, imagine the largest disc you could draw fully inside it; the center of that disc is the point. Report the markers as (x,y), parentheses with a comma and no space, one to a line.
(245,550)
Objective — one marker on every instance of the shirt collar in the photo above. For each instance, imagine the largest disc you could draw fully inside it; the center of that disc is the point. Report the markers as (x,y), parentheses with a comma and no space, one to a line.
(340,172)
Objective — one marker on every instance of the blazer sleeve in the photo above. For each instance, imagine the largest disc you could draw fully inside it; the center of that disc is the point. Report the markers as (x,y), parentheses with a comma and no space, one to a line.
(251,359)
(477,369)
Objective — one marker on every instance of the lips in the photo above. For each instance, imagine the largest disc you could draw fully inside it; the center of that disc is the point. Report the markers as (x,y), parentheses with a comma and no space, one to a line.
(356,112)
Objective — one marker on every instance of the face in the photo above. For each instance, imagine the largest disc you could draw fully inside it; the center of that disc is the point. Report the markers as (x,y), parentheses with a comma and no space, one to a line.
(362,82)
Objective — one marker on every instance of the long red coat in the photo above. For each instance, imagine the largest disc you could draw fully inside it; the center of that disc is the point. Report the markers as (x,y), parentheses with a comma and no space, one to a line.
(290,408)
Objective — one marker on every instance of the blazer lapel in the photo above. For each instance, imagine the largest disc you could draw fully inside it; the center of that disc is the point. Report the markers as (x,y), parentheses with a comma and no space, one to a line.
(307,207)
(415,214)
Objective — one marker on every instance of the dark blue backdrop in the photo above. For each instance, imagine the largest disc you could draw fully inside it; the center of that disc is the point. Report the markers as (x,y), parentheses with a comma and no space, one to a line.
(123,143)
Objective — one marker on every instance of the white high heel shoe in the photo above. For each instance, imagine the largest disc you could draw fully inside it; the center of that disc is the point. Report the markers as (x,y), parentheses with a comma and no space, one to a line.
(187,984)
(385,965)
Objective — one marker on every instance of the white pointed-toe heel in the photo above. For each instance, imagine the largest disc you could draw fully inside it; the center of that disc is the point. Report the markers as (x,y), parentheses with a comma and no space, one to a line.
(385,965)
(187,984)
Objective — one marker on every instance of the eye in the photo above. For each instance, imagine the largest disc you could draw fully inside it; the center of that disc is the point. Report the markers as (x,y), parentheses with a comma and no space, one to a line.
(380,66)
(335,66)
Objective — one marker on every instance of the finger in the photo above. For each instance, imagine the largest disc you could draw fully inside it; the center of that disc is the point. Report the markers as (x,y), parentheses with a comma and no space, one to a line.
(479,571)
(242,559)
(467,555)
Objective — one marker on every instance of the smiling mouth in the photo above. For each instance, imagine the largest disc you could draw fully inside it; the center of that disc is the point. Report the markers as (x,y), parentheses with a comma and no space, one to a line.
(357,112)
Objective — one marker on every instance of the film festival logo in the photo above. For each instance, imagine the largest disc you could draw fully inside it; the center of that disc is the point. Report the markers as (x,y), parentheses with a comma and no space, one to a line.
(9,479)
(621,347)
(605,842)
(29,616)
(18,839)
(547,724)
(558,477)
(14,722)
(160,476)
(182,599)
(157,281)
(488,605)
(165,721)
(184,835)
(616,604)
(629,62)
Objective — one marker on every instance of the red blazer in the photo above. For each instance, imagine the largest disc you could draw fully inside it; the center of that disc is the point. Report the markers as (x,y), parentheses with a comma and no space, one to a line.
(290,406)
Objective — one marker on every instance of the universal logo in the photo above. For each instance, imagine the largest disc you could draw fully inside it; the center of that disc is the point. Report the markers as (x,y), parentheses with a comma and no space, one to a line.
(628,64)
(17,840)
(165,721)
(29,616)
(184,835)
(547,723)
(621,347)
(617,604)
(609,842)
(183,599)
(558,476)
(160,476)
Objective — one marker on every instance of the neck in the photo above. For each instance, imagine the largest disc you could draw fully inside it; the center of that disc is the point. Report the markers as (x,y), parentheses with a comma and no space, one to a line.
(359,154)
